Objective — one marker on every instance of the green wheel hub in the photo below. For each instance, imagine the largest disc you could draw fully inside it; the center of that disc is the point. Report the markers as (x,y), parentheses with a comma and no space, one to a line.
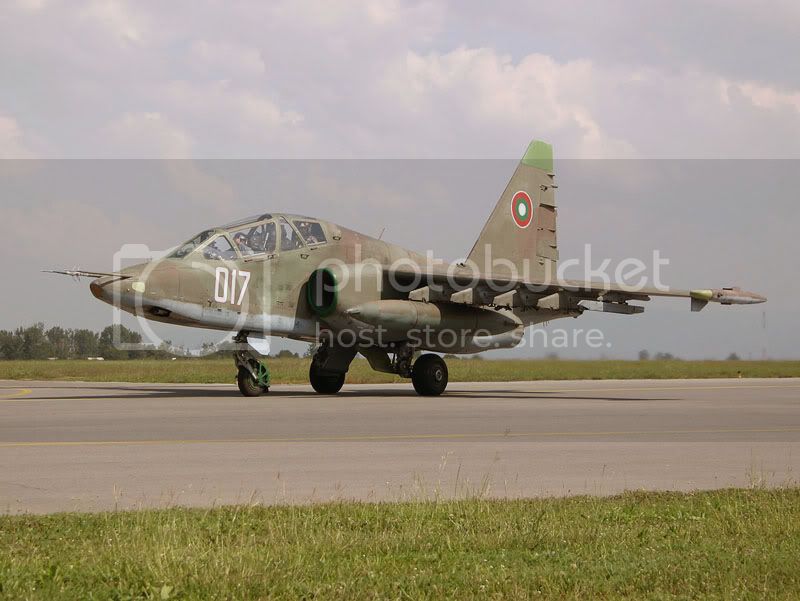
(262,375)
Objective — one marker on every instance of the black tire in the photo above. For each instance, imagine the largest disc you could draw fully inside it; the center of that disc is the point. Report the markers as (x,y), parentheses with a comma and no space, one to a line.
(429,375)
(325,383)
(248,385)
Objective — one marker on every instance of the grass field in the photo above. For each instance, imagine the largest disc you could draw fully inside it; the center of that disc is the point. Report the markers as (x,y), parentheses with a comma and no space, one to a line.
(295,371)
(732,544)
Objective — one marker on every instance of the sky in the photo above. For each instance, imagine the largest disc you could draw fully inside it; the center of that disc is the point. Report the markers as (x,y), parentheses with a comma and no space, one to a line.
(676,126)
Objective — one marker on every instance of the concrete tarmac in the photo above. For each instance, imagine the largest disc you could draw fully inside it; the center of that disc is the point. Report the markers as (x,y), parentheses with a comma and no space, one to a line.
(76,446)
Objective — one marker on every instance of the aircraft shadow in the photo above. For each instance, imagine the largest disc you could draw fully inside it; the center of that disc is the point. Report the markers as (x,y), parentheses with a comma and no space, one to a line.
(150,392)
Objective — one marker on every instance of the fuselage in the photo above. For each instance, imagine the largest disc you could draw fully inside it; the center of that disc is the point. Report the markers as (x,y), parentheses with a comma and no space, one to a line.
(252,276)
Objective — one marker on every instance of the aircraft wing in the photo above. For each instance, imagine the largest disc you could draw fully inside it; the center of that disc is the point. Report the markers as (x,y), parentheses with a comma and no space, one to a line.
(462,285)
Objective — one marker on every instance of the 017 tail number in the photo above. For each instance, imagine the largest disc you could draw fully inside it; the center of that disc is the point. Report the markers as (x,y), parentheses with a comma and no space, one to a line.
(225,288)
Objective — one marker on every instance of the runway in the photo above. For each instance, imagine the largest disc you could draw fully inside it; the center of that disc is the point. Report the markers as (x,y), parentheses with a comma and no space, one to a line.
(77,446)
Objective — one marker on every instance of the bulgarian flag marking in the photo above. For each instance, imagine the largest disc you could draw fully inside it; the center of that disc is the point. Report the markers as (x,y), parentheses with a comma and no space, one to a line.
(522,209)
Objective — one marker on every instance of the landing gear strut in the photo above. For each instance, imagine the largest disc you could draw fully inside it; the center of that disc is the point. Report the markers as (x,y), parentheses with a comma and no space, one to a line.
(403,358)
(252,375)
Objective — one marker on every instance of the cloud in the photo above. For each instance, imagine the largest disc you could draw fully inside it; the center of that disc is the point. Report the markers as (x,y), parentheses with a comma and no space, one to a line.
(148,135)
(31,5)
(588,110)
(385,78)
(151,135)
(38,233)
(14,143)
(413,21)
(244,108)
(117,19)
(485,91)
(227,59)
(236,114)
(763,96)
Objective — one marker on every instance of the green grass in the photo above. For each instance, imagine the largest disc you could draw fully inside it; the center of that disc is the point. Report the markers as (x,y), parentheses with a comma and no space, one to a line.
(731,544)
(295,371)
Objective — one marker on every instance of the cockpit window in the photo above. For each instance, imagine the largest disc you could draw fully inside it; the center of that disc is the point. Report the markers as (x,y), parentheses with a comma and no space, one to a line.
(187,247)
(246,220)
(220,249)
(256,239)
(289,238)
(311,231)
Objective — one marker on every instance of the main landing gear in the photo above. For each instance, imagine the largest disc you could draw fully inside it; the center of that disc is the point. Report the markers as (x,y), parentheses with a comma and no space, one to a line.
(330,364)
(428,373)
(325,382)
(329,367)
(252,374)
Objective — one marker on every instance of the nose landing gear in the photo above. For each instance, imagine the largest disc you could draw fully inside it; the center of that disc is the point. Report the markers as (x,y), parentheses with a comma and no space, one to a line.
(252,375)
(253,378)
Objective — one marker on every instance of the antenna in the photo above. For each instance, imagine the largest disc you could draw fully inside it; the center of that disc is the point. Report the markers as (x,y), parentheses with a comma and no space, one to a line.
(381,234)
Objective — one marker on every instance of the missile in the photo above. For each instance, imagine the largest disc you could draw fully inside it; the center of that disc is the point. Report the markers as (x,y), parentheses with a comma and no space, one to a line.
(724,296)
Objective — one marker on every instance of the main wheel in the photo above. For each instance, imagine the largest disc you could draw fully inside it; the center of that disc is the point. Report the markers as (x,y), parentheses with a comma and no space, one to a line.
(248,385)
(429,375)
(325,383)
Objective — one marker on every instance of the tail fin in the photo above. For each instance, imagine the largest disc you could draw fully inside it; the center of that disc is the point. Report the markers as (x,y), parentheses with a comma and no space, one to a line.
(519,237)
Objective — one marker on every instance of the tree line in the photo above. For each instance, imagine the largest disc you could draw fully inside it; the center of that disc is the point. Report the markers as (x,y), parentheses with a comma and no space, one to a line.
(38,342)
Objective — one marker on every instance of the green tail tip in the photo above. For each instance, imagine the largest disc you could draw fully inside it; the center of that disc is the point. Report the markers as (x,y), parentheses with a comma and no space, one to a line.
(539,155)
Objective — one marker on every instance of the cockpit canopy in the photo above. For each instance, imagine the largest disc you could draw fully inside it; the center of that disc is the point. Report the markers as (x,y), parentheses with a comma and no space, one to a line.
(261,235)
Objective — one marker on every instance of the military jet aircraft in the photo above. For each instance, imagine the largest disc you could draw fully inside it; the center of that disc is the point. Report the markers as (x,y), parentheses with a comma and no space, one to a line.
(313,280)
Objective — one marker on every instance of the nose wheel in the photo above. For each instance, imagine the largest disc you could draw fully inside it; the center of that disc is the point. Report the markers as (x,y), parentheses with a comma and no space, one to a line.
(253,380)
(252,375)
(429,375)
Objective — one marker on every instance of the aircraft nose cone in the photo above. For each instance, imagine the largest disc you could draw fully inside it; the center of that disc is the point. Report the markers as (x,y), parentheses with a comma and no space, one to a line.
(96,289)
(99,288)
(104,288)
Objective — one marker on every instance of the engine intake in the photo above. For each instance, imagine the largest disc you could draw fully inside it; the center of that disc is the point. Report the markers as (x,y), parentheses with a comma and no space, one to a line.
(322,291)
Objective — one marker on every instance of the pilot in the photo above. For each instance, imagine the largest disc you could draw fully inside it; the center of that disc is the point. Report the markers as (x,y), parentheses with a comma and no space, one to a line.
(241,243)
(305,230)
(256,241)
